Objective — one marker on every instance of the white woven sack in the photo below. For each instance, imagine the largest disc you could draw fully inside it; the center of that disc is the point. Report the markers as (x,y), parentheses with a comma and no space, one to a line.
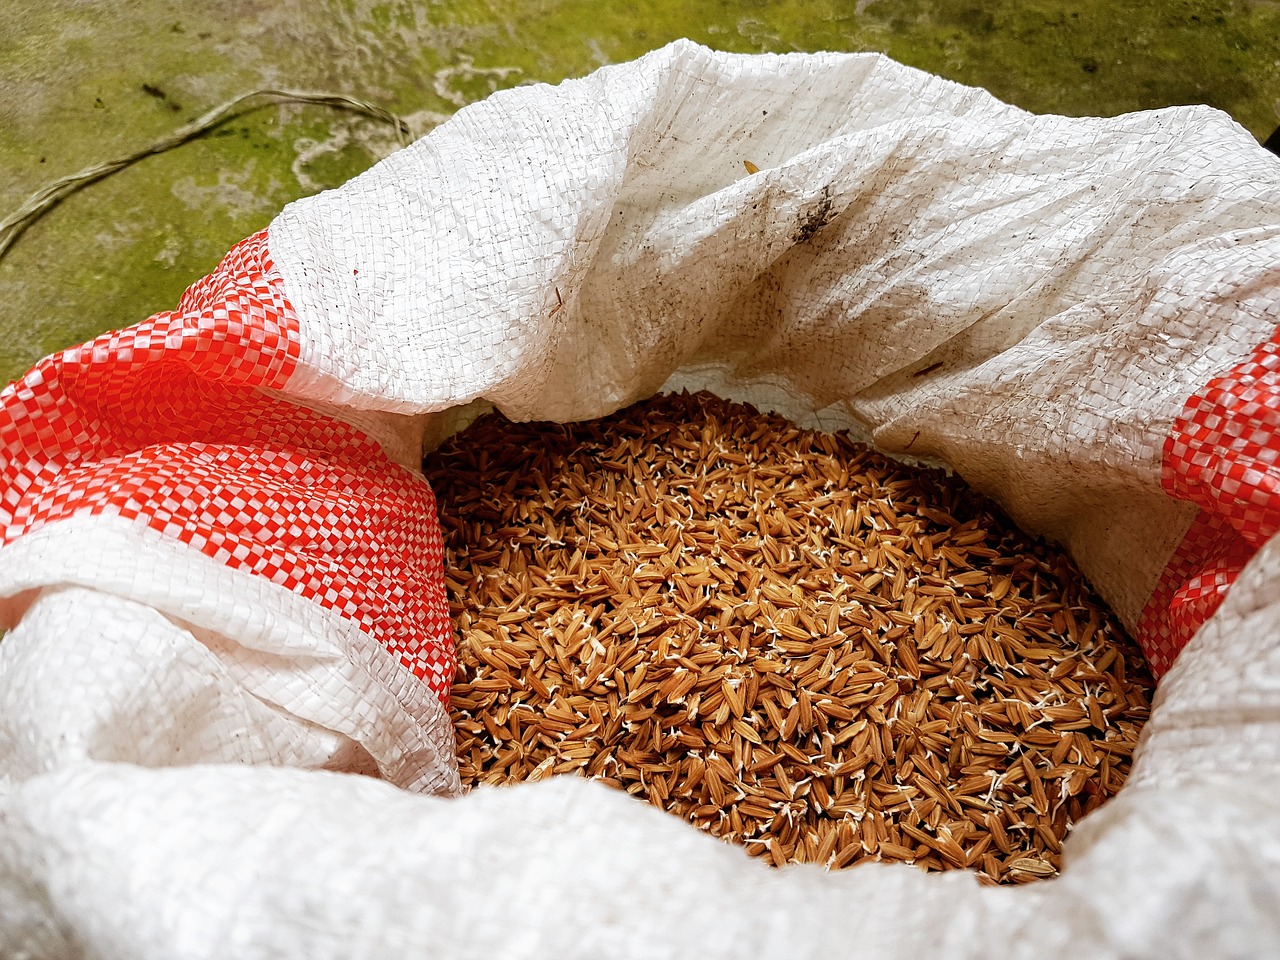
(1031,300)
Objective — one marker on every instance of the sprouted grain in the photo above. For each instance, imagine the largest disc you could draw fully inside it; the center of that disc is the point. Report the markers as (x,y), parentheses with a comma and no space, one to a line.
(785,638)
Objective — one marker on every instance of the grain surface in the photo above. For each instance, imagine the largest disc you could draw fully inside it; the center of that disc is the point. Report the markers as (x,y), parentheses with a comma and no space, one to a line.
(783,637)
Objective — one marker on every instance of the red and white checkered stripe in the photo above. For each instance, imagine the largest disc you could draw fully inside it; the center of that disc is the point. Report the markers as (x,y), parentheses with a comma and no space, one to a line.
(168,423)
(1222,456)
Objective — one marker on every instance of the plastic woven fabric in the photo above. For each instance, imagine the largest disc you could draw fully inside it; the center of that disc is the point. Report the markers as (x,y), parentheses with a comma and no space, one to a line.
(221,569)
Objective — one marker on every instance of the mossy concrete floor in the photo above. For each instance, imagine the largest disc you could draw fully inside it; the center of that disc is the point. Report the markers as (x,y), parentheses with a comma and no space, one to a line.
(85,82)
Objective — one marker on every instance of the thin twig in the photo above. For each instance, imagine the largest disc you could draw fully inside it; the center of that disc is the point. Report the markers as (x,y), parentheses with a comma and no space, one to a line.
(50,195)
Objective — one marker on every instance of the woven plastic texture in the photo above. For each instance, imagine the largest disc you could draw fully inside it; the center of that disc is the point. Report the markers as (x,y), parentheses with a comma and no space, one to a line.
(1077,314)
(169,426)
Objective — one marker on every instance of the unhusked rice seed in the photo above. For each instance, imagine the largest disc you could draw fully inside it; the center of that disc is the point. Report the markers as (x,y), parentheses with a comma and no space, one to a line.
(783,637)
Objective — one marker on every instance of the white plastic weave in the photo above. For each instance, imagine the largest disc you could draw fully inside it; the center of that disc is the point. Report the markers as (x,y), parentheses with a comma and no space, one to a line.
(1031,300)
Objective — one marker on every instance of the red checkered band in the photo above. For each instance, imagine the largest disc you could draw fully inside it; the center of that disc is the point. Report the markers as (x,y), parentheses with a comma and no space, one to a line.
(167,423)
(1222,456)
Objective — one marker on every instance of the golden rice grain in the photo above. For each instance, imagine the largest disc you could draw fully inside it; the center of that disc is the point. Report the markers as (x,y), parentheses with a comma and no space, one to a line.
(785,638)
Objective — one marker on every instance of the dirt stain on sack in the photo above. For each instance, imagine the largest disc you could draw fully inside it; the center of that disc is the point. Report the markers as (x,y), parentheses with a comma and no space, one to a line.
(817,216)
